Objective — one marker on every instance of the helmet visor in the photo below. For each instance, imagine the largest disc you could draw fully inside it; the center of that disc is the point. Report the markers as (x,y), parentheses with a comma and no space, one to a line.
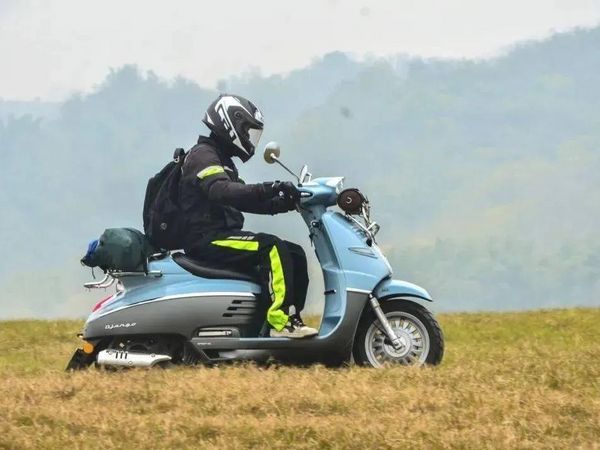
(254,135)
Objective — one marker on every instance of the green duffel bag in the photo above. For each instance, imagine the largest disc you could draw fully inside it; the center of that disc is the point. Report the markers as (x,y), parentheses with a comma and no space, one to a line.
(119,249)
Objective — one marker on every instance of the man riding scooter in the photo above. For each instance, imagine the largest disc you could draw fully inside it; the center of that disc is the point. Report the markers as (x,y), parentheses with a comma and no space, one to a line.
(213,197)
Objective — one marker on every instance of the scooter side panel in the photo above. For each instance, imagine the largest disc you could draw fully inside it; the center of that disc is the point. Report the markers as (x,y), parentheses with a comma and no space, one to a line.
(179,314)
(141,289)
(176,303)
(174,281)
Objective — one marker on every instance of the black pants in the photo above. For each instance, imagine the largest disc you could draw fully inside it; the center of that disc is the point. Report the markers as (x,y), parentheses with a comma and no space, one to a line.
(282,266)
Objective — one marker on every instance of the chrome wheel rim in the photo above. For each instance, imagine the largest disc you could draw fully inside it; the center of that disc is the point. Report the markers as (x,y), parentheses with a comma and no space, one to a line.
(413,336)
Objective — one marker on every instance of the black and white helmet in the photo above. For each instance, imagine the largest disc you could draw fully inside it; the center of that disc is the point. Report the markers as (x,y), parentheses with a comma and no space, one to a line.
(237,121)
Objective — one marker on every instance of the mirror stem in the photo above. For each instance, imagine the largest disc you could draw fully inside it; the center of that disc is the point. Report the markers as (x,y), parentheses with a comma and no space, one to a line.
(276,159)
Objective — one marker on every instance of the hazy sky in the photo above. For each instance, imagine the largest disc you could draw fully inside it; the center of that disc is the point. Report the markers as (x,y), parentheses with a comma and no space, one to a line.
(49,48)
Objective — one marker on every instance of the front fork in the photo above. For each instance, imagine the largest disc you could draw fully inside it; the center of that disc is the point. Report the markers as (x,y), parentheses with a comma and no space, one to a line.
(389,331)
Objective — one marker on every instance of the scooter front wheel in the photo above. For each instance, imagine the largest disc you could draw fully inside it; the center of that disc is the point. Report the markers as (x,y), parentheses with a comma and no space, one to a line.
(420,335)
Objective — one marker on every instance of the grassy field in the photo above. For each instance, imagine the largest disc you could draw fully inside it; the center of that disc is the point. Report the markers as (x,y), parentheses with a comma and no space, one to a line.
(526,380)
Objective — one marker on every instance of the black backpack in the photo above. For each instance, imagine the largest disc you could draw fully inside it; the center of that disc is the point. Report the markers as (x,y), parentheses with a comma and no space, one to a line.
(164,223)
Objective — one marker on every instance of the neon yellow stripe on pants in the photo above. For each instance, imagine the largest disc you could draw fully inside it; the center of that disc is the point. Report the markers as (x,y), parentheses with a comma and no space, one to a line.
(238,245)
(275,316)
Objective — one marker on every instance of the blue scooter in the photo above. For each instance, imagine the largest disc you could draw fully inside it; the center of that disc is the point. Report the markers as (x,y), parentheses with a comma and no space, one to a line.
(182,311)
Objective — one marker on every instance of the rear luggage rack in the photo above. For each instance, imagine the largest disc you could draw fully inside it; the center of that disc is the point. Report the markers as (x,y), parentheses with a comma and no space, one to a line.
(112,275)
(104,283)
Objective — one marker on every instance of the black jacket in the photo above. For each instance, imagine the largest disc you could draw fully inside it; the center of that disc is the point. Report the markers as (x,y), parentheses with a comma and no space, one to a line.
(212,195)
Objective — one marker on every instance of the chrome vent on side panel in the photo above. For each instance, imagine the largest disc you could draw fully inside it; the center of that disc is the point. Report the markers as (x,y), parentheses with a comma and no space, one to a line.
(241,307)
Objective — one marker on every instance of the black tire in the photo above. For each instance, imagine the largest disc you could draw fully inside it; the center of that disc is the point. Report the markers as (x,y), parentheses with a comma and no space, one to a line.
(434,332)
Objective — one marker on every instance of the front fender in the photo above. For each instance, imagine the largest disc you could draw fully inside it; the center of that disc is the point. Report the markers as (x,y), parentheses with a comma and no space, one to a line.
(397,288)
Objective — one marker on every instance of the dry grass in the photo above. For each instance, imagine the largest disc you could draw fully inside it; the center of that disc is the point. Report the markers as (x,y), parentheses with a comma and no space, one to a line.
(529,380)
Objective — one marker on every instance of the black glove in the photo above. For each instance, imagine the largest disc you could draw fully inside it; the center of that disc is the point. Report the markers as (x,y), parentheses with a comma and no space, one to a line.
(289,189)
(282,203)
(272,189)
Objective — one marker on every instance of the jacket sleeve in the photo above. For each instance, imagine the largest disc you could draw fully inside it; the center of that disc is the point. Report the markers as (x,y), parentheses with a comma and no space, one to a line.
(250,198)
(216,184)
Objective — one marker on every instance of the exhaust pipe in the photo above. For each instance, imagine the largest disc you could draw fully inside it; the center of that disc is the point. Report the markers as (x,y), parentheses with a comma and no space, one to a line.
(121,358)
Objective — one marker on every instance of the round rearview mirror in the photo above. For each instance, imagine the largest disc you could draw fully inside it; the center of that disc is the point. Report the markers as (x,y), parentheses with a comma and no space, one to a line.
(272,152)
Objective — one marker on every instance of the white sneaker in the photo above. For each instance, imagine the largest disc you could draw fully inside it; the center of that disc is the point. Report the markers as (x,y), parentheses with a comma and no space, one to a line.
(295,328)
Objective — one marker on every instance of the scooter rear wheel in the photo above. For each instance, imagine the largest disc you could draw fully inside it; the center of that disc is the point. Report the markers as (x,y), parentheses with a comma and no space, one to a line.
(421,336)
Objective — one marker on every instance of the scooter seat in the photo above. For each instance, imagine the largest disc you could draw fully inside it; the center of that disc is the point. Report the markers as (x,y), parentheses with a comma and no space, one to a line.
(202,269)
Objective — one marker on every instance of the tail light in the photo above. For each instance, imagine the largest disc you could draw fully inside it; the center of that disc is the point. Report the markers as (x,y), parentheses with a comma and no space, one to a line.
(101,303)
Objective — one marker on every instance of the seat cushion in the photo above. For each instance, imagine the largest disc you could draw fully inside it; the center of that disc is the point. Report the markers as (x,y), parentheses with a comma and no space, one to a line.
(202,269)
